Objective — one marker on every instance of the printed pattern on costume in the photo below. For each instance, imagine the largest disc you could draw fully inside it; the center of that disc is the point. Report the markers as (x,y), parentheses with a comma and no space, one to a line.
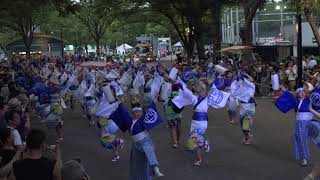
(247,112)
(301,147)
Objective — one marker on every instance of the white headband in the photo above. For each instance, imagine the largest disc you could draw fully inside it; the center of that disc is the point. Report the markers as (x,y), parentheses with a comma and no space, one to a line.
(299,89)
(136,109)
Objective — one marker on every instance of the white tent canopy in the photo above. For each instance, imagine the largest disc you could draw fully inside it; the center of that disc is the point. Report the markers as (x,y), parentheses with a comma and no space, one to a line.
(123,48)
(178,44)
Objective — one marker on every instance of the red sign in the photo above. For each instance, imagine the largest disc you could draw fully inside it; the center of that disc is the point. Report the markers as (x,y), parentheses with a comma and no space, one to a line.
(279,38)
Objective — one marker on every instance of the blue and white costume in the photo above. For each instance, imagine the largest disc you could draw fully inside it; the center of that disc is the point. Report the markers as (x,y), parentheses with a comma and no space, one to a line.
(223,83)
(199,123)
(243,90)
(108,128)
(72,86)
(89,102)
(247,112)
(53,118)
(232,102)
(303,119)
(142,152)
(304,126)
(79,93)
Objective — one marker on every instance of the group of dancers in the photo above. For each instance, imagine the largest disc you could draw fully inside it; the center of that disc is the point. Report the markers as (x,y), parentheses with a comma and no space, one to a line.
(105,95)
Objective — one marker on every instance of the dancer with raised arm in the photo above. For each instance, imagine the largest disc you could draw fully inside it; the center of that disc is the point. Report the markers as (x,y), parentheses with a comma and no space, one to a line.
(285,103)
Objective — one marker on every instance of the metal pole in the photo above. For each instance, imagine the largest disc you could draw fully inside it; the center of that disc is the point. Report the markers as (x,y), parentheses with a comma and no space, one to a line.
(231,26)
(299,49)
(228,28)
(253,31)
(222,30)
(237,24)
(257,27)
(170,47)
(225,27)
(281,16)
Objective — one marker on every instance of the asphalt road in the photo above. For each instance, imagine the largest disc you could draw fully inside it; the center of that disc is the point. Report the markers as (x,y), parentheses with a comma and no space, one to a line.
(271,156)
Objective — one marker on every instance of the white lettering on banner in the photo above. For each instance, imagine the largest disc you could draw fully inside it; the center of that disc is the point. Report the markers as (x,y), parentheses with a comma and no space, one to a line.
(151,116)
(220,82)
(188,75)
(315,98)
(215,97)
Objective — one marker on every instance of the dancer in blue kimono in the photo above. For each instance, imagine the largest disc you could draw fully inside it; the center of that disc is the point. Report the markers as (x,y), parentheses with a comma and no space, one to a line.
(303,119)
(142,149)
(143,156)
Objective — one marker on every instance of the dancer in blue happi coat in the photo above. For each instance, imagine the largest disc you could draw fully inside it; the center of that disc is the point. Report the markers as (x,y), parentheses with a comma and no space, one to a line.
(285,103)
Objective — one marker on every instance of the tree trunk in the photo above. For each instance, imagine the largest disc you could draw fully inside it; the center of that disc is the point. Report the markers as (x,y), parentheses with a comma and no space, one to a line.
(217,36)
(28,55)
(188,43)
(250,8)
(246,37)
(86,49)
(28,42)
(189,51)
(5,49)
(313,26)
(25,27)
(98,48)
(200,50)
(200,45)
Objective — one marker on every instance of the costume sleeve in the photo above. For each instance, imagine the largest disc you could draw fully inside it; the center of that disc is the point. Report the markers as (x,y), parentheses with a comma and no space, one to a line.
(151,118)
(185,97)
(122,118)
(286,102)
(156,86)
(105,109)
